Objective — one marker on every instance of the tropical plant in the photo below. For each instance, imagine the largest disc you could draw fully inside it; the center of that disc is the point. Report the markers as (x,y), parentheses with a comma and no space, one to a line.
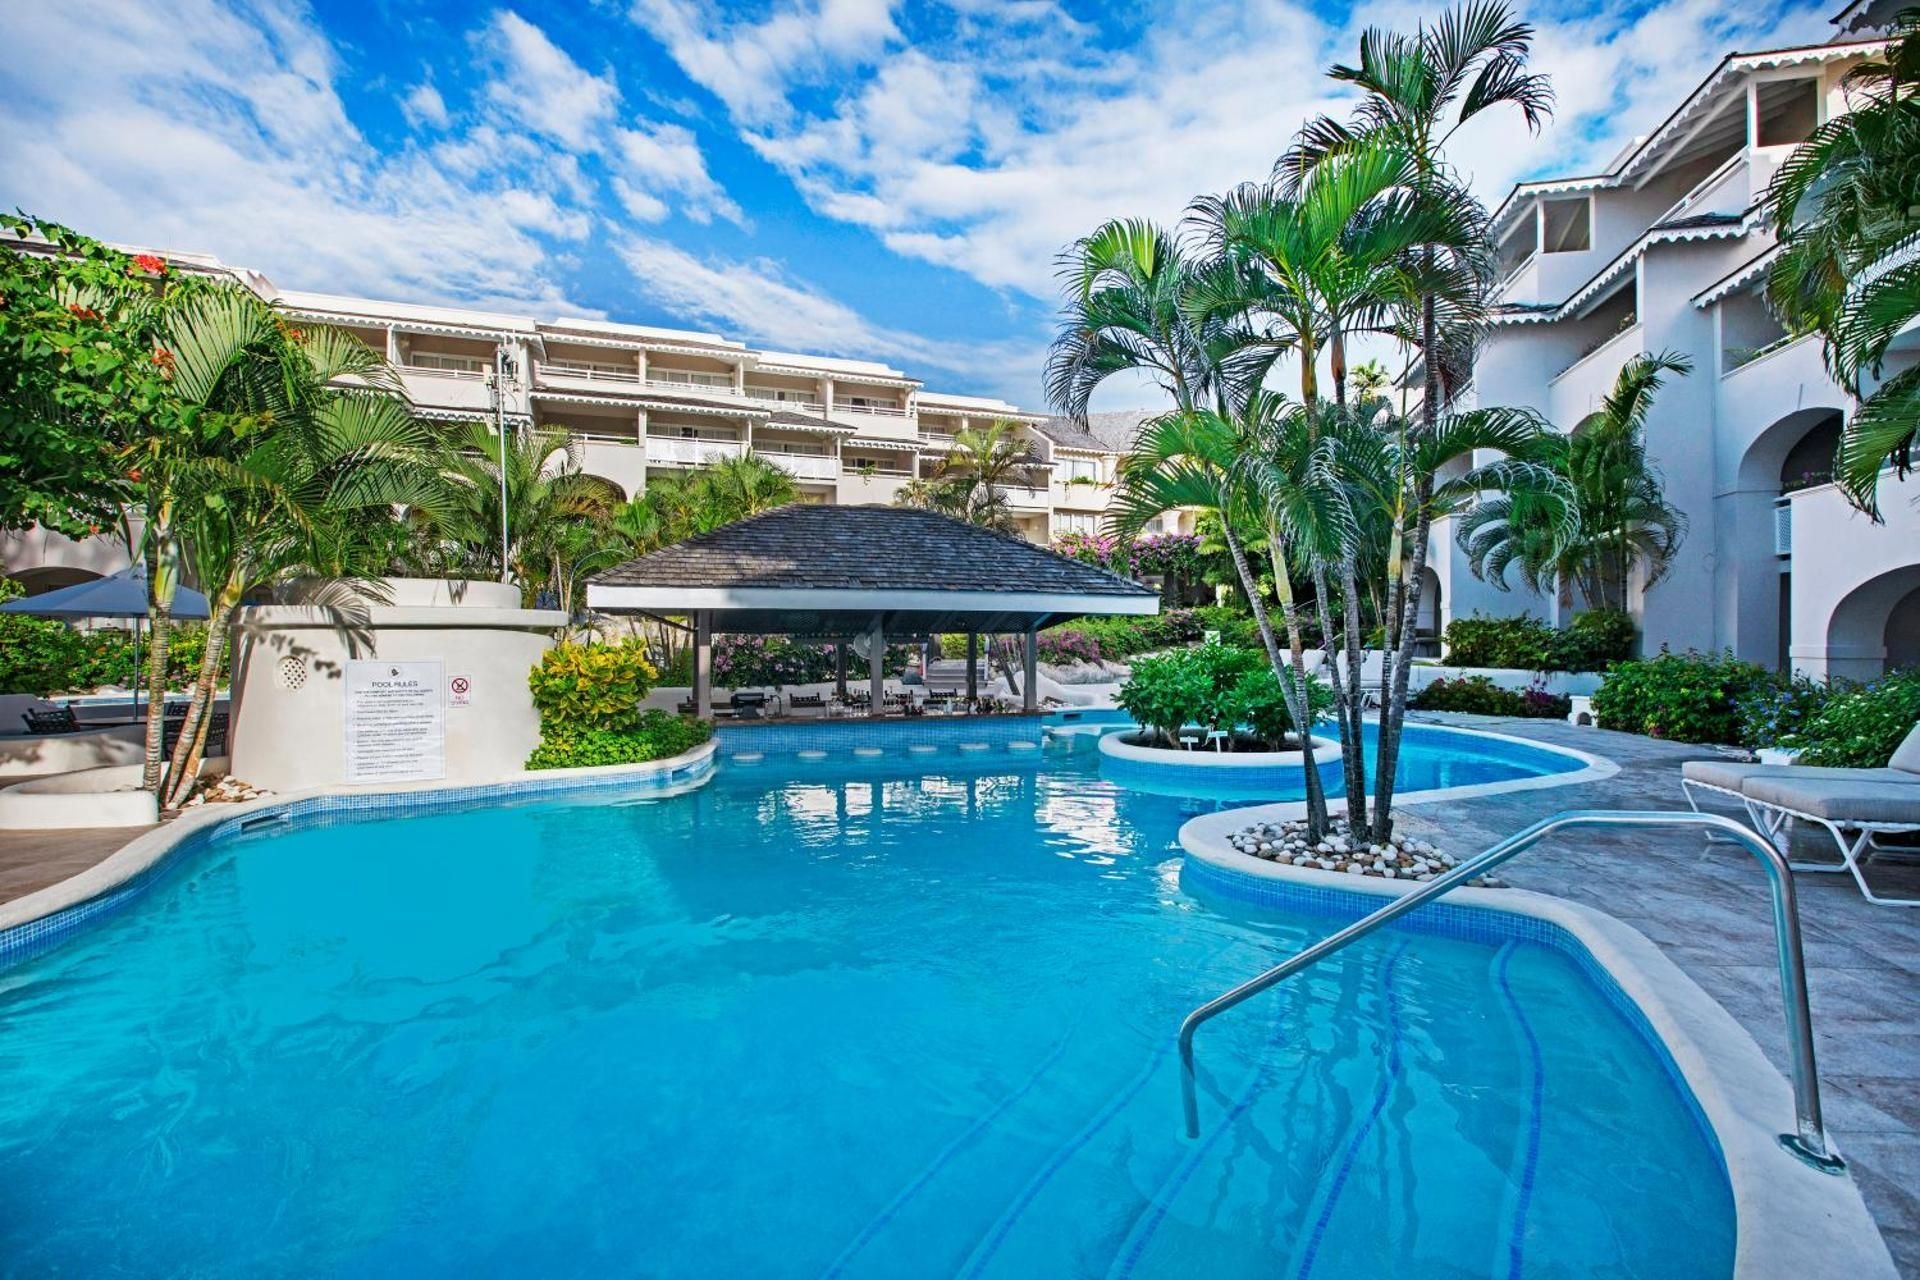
(1860,726)
(1846,204)
(83,374)
(1418,91)
(1479,695)
(1214,687)
(547,495)
(1684,697)
(972,482)
(341,451)
(1621,520)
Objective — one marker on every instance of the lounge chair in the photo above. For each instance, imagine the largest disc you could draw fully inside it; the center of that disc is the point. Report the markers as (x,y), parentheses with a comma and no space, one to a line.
(52,720)
(752,704)
(1855,806)
(1728,778)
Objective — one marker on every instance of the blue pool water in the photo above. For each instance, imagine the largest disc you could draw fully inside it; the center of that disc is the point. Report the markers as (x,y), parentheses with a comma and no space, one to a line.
(885,1020)
(1431,757)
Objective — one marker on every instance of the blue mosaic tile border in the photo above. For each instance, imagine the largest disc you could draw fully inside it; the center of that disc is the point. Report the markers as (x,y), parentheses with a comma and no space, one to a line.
(837,737)
(1454,920)
(37,937)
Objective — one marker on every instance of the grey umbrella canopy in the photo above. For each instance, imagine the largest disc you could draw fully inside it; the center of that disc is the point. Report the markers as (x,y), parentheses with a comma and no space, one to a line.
(119,595)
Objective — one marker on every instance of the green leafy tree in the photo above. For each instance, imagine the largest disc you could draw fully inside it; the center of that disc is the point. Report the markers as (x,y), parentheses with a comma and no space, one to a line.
(1620,519)
(974,481)
(1847,206)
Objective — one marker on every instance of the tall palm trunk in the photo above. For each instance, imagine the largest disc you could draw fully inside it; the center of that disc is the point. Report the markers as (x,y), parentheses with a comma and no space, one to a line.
(1393,714)
(1299,703)
(1356,700)
(163,575)
(184,769)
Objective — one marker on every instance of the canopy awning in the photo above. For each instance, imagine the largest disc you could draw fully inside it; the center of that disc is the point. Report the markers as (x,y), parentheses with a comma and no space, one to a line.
(842,573)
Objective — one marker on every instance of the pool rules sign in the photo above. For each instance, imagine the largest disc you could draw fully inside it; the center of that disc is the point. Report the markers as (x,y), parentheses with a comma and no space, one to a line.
(396,723)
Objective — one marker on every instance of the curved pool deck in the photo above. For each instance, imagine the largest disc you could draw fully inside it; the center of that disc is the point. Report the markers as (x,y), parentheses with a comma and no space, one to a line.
(1791,1220)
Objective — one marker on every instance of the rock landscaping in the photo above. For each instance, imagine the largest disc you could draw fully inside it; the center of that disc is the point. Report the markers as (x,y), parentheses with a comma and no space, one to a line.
(224,789)
(1402,858)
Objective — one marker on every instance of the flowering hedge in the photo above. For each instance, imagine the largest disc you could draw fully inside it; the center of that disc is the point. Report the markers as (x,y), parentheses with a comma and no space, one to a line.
(1481,696)
(1859,726)
(1173,555)
(1684,697)
(750,662)
(1066,645)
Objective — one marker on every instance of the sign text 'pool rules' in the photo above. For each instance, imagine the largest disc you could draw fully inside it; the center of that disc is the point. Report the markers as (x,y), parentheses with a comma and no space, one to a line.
(396,721)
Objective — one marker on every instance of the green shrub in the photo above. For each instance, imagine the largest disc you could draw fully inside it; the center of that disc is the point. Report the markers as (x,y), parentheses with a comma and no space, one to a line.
(1481,696)
(1525,643)
(1596,639)
(1216,687)
(1771,713)
(579,688)
(1859,726)
(1590,642)
(655,736)
(1685,697)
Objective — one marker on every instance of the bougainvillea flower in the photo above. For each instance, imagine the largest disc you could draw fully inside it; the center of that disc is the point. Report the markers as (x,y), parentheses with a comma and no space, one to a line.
(150,264)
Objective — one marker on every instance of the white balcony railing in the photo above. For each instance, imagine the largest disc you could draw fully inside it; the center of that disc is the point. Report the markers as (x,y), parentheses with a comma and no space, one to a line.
(682,452)
(872,410)
(588,372)
(803,466)
(775,395)
(1783,527)
(686,387)
(444,371)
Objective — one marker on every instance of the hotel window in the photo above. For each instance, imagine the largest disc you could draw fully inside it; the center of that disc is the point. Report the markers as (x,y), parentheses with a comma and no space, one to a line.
(442,360)
(1569,225)
(1083,469)
(871,402)
(1076,522)
(690,378)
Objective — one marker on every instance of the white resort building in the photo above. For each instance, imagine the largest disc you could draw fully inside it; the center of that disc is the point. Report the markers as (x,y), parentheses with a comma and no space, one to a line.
(648,401)
(1667,251)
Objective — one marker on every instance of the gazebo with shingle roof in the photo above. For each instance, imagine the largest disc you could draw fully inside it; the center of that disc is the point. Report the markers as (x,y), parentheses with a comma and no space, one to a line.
(841,574)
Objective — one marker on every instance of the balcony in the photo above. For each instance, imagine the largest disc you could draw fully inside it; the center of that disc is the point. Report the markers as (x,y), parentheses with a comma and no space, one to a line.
(687,387)
(680,451)
(625,377)
(802,466)
(1083,495)
(870,410)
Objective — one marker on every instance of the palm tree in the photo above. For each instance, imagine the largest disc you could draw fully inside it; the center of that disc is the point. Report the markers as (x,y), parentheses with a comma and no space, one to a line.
(1620,518)
(343,452)
(1232,467)
(546,493)
(1134,303)
(1847,205)
(972,481)
(717,492)
(1418,91)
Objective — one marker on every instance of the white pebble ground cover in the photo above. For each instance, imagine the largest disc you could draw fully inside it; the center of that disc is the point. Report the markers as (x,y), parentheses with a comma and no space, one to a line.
(1402,858)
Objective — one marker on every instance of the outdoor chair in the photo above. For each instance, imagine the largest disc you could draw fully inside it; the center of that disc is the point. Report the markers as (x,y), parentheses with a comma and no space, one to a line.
(52,720)
(1730,779)
(807,702)
(1854,806)
(752,704)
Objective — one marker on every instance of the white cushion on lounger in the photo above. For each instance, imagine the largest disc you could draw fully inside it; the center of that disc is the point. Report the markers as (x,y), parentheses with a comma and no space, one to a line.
(1730,776)
(1906,756)
(1841,802)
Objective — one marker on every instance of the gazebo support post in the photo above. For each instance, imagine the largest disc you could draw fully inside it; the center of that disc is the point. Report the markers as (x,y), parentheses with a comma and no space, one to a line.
(877,669)
(973,665)
(840,669)
(703,664)
(1029,696)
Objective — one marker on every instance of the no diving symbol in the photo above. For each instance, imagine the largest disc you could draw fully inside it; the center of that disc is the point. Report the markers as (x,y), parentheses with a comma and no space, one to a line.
(457,690)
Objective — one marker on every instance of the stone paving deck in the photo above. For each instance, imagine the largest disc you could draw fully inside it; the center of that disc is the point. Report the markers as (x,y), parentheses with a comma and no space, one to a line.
(32,860)
(1706,906)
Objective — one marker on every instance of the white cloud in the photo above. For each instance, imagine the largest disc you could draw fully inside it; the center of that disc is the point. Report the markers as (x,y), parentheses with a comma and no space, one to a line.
(991,150)
(751,65)
(666,157)
(539,86)
(759,301)
(424,107)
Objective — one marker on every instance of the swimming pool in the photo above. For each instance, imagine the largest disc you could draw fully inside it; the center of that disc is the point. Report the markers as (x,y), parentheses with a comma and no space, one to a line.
(1432,758)
(862,1019)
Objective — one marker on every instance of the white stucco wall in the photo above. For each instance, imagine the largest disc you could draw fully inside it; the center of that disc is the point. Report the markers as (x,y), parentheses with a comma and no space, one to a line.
(1848,573)
(289,696)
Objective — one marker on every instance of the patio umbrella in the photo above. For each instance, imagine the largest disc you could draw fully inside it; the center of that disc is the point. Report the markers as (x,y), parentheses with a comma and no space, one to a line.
(118,595)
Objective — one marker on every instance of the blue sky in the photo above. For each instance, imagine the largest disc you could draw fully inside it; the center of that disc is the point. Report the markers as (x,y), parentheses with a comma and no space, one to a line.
(853,177)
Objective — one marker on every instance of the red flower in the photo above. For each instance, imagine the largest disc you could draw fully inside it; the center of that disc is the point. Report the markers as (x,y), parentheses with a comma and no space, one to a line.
(164,358)
(83,313)
(151,264)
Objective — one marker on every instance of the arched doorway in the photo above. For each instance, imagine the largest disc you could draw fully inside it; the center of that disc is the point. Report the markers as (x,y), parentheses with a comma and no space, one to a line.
(1426,627)
(1876,627)
(1754,532)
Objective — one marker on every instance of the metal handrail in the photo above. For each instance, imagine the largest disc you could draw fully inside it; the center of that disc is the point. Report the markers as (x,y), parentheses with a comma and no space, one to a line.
(1809,1144)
